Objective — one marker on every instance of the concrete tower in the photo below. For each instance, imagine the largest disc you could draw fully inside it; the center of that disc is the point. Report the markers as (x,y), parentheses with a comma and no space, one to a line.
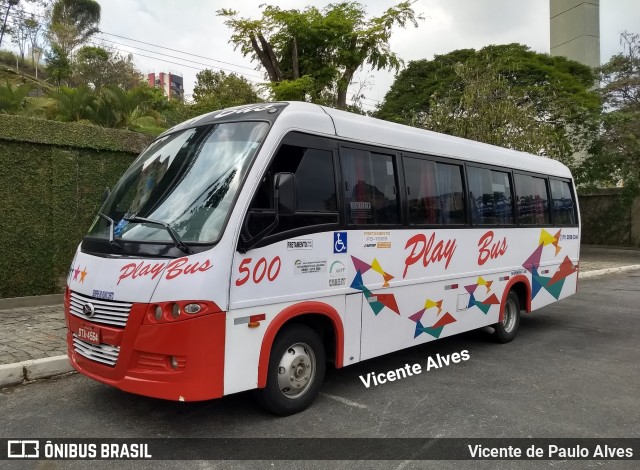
(575,30)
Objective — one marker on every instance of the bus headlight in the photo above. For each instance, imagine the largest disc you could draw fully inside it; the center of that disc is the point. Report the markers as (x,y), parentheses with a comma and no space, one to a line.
(158,313)
(192,309)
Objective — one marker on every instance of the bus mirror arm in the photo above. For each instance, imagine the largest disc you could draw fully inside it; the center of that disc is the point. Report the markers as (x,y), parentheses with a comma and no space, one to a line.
(284,202)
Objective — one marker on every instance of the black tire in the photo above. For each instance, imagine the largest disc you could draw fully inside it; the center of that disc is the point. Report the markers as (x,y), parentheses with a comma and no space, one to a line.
(507,329)
(297,352)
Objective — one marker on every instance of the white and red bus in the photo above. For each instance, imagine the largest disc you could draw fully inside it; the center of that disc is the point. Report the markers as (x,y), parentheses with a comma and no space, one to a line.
(249,247)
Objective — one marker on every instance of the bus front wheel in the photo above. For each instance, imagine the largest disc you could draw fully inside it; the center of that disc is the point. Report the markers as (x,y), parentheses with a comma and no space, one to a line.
(296,370)
(507,329)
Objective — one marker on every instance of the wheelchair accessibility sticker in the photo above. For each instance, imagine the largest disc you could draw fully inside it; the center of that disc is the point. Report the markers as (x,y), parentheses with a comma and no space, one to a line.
(339,242)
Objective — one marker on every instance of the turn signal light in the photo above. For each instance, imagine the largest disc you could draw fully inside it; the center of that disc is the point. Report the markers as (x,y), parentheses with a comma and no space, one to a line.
(168,312)
(254,320)
(158,313)
(175,310)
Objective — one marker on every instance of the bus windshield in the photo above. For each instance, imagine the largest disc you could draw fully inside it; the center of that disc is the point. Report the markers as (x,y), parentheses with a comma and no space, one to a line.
(186,180)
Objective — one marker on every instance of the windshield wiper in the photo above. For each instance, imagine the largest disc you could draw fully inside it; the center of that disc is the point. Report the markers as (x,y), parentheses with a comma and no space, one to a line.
(112,240)
(172,233)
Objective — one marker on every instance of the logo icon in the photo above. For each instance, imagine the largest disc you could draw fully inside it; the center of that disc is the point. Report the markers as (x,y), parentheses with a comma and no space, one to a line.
(23,449)
(339,242)
(88,310)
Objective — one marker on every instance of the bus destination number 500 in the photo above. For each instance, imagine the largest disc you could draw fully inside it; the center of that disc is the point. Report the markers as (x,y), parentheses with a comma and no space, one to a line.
(258,271)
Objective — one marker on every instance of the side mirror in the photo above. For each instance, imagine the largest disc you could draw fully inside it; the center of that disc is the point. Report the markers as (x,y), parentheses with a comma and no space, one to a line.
(285,191)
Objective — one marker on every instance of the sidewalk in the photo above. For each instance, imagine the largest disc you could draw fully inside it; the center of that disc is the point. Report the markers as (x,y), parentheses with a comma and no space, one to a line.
(35,333)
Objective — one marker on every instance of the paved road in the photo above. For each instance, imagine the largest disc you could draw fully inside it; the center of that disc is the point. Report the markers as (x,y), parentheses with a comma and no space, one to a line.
(572,372)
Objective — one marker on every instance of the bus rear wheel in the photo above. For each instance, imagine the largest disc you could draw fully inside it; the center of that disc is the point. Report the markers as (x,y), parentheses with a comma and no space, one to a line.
(507,329)
(296,370)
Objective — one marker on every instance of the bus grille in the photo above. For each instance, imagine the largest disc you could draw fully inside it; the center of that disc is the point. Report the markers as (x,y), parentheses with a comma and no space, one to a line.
(109,312)
(104,353)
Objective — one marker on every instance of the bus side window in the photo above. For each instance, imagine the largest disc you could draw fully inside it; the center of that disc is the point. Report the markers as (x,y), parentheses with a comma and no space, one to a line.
(564,212)
(532,201)
(434,190)
(490,197)
(315,190)
(370,187)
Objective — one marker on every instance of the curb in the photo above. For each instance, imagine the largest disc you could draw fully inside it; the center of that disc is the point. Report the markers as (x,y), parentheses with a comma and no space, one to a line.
(600,272)
(25,371)
(31,301)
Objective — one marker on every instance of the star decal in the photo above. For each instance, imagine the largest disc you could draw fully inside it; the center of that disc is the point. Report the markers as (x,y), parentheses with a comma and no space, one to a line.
(483,305)
(377,302)
(436,329)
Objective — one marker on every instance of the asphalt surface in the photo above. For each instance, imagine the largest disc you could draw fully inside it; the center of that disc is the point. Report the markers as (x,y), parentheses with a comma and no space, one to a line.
(572,371)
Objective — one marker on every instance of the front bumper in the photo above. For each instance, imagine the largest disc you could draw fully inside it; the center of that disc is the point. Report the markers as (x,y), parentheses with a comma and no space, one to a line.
(144,361)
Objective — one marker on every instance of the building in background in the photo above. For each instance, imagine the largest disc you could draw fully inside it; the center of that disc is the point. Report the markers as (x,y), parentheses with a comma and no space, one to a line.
(171,83)
(575,30)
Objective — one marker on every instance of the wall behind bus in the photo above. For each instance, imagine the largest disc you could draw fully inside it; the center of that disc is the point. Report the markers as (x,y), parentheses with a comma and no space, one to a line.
(610,219)
(52,177)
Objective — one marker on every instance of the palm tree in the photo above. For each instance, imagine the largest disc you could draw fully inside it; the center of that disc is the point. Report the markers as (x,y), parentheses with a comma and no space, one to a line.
(13,100)
(74,104)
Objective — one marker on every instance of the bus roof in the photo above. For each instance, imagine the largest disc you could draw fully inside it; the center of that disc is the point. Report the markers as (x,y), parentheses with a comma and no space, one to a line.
(309,117)
(366,129)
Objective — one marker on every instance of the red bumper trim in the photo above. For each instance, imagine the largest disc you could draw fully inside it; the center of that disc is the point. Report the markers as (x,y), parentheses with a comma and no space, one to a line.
(197,344)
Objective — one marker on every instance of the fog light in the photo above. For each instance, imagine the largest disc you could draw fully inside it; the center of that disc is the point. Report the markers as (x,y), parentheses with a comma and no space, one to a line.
(173,362)
(175,310)
(158,312)
(192,309)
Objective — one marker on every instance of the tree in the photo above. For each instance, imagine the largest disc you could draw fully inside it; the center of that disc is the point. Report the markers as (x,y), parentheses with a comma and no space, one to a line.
(615,157)
(73,22)
(506,95)
(58,64)
(97,67)
(18,32)
(313,54)
(490,111)
(28,27)
(218,90)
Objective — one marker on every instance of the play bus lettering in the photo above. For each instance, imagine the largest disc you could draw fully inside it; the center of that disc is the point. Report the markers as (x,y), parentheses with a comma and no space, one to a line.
(249,248)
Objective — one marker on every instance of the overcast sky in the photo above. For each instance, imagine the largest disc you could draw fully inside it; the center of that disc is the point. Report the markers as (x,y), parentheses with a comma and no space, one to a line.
(192,26)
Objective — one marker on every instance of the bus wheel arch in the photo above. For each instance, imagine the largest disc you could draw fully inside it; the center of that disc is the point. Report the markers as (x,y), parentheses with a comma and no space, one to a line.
(520,285)
(516,296)
(320,317)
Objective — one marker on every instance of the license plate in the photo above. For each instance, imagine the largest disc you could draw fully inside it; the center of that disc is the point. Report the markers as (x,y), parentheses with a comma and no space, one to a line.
(89,334)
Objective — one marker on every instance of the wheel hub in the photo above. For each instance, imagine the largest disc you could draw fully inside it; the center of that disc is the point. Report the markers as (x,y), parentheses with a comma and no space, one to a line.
(296,370)
(509,318)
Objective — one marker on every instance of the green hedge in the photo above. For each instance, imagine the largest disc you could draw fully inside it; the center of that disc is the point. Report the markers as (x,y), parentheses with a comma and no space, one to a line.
(606,218)
(67,134)
(52,177)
